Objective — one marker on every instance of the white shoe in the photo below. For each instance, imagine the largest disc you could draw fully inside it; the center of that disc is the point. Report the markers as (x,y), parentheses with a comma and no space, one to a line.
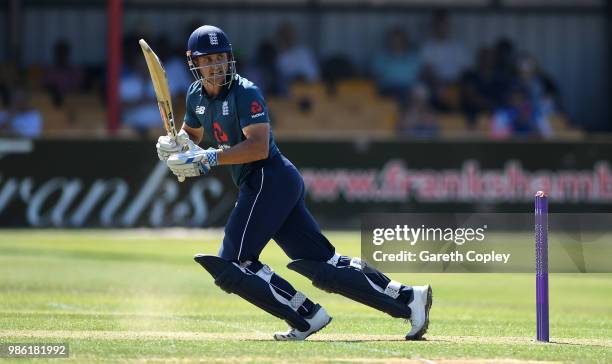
(420,306)
(317,320)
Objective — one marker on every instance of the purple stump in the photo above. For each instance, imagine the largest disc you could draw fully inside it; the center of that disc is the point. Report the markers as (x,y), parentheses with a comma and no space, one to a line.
(541,253)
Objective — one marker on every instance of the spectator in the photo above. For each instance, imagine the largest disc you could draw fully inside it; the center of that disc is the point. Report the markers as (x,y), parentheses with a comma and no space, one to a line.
(505,68)
(9,76)
(519,118)
(138,102)
(4,105)
(295,61)
(4,96)
(445,57)
(62,77)
(336,68)
(21,119)
(482,89)
(505,54)
(397,69)
(263,70)
(540,89)
(418,119)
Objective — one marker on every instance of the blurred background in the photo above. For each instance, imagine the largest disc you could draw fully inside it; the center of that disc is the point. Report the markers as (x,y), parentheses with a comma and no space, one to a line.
(385,105)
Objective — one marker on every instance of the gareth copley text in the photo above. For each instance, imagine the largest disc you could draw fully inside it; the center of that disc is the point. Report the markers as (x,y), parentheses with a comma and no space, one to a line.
(431,257)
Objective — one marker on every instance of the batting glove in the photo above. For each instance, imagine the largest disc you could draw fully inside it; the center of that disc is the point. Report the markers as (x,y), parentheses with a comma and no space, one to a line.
(166,145)
(192,163)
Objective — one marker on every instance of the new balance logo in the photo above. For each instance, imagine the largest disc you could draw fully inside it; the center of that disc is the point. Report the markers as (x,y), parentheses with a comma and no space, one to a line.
(213,38)
(200,110)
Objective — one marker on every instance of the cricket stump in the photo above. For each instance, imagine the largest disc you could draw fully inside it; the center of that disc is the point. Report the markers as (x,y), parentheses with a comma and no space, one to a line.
(541,260)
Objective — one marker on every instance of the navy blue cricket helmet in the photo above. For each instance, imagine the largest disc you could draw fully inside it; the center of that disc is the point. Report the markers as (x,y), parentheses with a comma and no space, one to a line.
(207,40)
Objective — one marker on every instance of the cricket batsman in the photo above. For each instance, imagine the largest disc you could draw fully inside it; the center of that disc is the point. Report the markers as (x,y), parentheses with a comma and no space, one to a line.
(232,113)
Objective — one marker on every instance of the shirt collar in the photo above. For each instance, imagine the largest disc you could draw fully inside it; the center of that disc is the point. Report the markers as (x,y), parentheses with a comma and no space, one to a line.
(223,94)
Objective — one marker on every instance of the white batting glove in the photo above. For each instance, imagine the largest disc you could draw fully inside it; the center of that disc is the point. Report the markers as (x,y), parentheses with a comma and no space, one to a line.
(166,145)
(192,163)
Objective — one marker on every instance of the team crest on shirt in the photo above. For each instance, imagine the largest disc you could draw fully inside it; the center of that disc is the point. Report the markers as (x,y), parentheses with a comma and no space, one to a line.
(200,110)
(225,108)
(256,110)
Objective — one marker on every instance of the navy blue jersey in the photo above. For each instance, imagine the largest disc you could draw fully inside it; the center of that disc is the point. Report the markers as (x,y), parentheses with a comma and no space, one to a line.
(224,117)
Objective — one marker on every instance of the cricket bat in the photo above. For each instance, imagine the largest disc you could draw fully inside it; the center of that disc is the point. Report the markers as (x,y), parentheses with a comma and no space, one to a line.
(162,91)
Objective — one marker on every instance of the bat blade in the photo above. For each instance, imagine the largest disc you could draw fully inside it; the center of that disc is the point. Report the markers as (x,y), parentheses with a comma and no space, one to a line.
(160,84)
(162,91)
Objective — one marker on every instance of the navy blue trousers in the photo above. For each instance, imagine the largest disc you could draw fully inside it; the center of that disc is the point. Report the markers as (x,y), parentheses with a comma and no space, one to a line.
(271,206)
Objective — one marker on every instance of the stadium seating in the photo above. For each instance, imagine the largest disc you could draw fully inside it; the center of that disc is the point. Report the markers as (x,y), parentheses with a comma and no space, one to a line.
(311,110)
(352,107)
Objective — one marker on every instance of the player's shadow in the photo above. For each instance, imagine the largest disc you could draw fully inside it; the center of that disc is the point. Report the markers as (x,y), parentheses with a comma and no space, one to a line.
(576,344)
(436,340)
(339,340)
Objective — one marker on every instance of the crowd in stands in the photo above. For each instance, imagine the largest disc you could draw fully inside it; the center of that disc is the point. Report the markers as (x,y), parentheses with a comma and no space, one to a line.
(60,96)
(407,88)
(498,90)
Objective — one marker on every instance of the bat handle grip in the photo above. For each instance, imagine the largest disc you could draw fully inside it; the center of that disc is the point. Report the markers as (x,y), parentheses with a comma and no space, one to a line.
(173,134)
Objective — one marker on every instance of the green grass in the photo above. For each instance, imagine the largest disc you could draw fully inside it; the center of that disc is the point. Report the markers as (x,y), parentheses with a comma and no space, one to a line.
(132,296)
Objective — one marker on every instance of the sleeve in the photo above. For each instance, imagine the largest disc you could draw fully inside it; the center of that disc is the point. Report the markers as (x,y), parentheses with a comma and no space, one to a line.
(190,117)
(251,107)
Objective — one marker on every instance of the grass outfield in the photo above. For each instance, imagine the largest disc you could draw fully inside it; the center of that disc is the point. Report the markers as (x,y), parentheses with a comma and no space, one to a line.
(134,296)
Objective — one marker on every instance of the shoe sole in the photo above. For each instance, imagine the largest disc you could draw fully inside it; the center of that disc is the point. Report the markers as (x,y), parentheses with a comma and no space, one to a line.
(423,330)
(309,335)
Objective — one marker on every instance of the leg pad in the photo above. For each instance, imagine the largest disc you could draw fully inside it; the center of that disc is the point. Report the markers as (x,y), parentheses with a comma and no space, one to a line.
(234,279)
(352,282)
